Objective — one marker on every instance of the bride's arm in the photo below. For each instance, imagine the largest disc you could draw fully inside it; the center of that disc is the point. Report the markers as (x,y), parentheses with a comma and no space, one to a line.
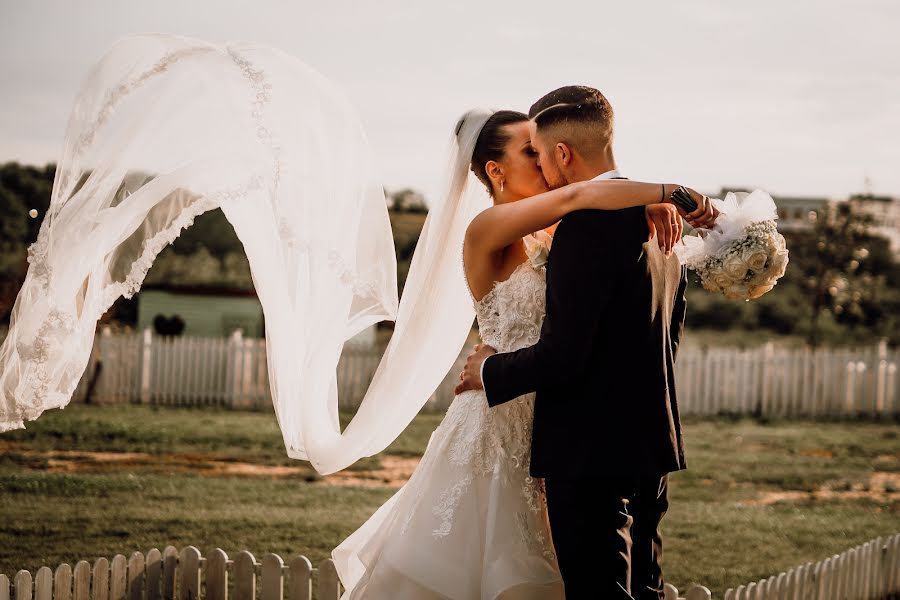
(503,224)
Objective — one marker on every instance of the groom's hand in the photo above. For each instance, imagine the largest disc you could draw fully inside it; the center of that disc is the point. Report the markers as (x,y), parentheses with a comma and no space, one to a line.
(665,223)
(470,378)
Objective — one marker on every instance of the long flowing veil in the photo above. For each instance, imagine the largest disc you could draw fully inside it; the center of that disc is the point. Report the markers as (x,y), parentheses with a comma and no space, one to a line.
(166,128)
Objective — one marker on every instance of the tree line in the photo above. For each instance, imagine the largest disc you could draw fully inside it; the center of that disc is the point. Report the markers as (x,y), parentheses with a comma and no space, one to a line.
(842,284)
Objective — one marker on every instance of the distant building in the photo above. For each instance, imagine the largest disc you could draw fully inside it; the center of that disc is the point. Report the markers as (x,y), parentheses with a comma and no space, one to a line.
(885,212)
(212,312)
(205,311)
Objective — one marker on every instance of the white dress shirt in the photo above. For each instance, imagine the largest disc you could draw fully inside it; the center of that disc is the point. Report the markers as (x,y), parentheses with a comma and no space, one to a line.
(614,174)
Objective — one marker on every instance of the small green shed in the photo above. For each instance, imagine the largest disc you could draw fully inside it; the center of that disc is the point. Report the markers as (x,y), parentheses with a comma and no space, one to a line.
(206,311)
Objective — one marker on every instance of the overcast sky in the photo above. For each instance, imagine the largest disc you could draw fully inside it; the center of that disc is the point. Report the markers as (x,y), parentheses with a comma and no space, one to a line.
(797,97)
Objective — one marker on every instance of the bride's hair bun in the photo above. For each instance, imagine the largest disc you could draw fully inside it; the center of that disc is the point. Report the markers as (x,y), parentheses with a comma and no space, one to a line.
(491,142)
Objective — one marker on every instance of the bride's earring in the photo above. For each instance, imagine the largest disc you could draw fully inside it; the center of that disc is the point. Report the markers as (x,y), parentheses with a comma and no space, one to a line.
(501,185)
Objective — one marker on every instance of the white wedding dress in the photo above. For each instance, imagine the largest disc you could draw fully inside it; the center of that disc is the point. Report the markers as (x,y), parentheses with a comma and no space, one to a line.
(471,523)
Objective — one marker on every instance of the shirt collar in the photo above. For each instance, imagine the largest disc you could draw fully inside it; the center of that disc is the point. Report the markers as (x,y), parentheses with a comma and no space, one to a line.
(608,175)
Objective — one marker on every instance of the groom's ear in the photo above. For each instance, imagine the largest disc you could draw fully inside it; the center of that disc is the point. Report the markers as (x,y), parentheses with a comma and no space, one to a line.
(563,154)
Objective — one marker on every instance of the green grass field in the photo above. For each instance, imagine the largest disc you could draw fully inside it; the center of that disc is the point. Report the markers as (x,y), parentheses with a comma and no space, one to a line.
(757,499)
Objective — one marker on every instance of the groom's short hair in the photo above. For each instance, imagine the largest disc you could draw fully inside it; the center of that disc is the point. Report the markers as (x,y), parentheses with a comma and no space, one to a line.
(577,114)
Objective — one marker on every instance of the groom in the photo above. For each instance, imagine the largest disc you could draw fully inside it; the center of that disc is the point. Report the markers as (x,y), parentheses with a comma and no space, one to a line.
(606,428)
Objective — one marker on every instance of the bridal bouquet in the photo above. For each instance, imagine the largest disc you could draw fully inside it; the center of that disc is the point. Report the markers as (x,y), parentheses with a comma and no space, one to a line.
(743,256)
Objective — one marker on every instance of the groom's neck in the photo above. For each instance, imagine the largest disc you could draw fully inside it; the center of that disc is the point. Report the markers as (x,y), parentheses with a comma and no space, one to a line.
(588,169)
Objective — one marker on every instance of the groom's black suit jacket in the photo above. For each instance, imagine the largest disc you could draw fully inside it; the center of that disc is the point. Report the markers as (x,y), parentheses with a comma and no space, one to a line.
(603,367)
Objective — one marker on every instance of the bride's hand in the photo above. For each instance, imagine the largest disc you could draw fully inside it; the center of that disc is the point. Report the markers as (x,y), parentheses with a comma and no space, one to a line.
(665,223)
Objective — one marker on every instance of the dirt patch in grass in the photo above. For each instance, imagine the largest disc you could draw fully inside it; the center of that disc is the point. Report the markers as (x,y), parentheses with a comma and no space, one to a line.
(882,488)
(393,473)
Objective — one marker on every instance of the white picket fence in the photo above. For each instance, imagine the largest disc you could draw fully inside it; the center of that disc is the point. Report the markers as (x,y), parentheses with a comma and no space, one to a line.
(867,572)
(186,575)
(767,381)
(870,571)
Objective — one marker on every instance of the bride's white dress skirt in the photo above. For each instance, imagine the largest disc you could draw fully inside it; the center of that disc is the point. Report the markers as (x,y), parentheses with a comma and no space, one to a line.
(469,524)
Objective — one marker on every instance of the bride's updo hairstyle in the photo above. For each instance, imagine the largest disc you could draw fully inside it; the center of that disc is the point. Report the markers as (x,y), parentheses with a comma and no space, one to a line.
(491,142)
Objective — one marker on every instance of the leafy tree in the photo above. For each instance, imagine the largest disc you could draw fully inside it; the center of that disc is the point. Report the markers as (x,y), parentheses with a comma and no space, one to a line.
(839,268)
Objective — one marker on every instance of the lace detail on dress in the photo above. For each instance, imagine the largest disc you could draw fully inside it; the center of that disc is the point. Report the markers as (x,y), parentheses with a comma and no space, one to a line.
(447,506)
(481,437)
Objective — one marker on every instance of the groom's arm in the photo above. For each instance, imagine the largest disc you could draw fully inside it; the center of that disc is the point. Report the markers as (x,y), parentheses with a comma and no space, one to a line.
(582,271)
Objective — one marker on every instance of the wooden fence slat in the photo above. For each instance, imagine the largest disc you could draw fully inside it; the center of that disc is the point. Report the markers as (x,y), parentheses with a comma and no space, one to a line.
(136,566)
(43,584)
(189,574)
(300,582)
(839,588)
(329,587)
(100,580)
(698,592)
(82,576)
(118,584)
(154,574)
(670,592)
(23,583)
(4,587)
(866,569)
(217,575)
(781,587)
(62,582)
(244,576)
(876,574)
(272,580)
(170,566)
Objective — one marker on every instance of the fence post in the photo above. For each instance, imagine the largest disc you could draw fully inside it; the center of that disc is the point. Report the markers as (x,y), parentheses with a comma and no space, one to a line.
(881,377)
(236,354)
(146,354)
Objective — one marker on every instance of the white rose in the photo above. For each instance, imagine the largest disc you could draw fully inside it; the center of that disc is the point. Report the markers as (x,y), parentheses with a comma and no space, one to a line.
(739,291)
(779,263)
(756,259)
(722,280)
(537,253)
(779,242)
(735,267)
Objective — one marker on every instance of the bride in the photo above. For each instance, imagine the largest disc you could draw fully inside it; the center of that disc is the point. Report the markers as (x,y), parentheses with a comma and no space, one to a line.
(471,522)
(166,128)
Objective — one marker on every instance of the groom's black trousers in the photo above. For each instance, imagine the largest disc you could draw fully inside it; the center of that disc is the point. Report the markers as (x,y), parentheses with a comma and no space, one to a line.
(607,542)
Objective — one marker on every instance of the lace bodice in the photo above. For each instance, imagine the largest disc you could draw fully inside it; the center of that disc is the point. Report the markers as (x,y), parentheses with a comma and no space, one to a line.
(510,315)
